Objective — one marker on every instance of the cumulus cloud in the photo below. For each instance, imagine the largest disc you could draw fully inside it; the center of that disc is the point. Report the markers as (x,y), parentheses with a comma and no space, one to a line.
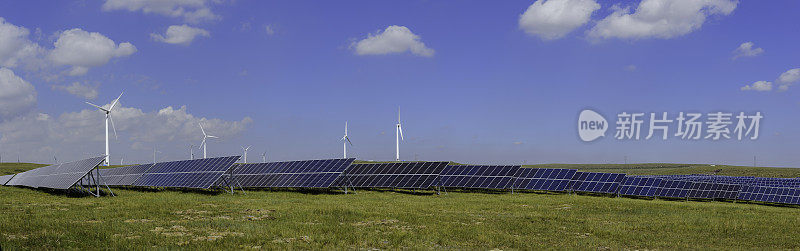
(761,86)
(660,18)
(15,46)
(747,49)
(788,78)
(81,90)
(553,19)
(81,50)
(180,34)
(79,134)
(394,39)
(17,96)
(192,11)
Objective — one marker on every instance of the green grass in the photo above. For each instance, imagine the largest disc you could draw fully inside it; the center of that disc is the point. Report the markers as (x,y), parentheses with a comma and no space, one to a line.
(36,219)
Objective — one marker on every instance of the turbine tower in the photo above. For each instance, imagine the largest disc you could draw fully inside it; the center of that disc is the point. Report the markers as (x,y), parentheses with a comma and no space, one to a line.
(345,140)
(245,153)
(399,135)
(205,136)
(108,117)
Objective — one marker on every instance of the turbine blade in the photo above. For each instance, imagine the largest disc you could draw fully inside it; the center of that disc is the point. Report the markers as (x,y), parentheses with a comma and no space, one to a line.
(201,128)
(215,137)
(113,127)
(399,127)
(98,107)
(115,101)
(348,140)
(202,143)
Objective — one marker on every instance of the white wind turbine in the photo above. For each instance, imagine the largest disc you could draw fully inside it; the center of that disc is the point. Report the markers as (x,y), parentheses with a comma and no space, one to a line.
(205,136)
(346,140)
(108,117)
(245,153)
(264,157)
(399,134)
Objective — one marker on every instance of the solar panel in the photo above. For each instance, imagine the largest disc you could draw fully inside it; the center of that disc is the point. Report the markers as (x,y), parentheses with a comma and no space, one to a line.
(545,179)
(59,176)
(639,186)
(303,173)
(478,176)
(5,178)
(412,175)
(123,176)
(576,180)
(198,173)
(673,189)
(784,195)
(600,183)
(703,190)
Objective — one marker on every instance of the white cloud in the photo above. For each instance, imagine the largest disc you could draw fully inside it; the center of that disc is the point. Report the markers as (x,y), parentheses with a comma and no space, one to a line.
(192,11)
(180,34)
(81,50)
(630,68)
(81,90)
(394,39)
(76,135)
(15,45)
(761,86)
(746,50)
(660,18)
(17,96)
(788,78)
(552,19)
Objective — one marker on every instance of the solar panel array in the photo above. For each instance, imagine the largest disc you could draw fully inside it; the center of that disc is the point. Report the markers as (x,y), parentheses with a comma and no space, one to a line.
(783,195)
(59,176)
(544,179)
(123,176)
(300,174)
(5,178)
(198,173)
(639,186)
(411,175)
(478,176)
(599,183)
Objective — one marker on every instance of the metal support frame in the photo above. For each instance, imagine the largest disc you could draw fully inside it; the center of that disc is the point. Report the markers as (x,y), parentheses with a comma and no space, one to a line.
(93,182)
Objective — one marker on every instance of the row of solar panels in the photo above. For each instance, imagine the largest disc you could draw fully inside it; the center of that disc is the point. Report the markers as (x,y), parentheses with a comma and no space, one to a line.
(207,173)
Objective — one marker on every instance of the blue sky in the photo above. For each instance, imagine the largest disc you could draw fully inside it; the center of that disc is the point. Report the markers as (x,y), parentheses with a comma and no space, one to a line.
(484,86)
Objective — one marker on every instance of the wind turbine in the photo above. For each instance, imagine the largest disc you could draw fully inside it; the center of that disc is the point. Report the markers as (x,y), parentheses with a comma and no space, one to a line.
(154,154)
(346,140)
(264,157)
(191,151)
(399,134)
(108,117)
(205,136)
(245,153)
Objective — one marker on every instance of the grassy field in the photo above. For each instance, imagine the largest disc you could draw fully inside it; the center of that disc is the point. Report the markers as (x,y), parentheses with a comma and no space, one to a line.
(283,219)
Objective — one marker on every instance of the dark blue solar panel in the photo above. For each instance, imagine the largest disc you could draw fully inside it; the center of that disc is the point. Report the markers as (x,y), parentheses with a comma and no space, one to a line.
(199,173)
(412,175)
(639,186)
(545,179)
(673,189)
(303,173)
(600,183)
(783,195)
(123,176)
(478,176)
